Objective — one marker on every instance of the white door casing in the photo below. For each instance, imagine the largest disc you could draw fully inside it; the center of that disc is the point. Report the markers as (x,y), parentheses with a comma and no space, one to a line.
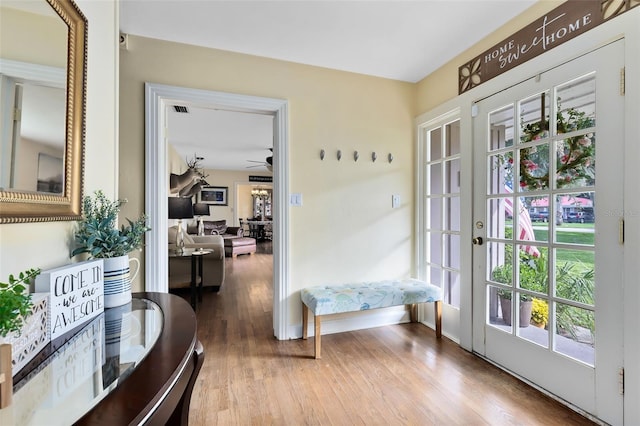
(157,98)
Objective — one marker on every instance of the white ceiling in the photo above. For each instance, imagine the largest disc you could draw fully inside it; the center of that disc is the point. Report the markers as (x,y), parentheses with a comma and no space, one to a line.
(400,40)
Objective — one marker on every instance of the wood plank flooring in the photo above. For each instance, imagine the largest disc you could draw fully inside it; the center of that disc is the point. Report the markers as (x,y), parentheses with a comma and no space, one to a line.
(393,375)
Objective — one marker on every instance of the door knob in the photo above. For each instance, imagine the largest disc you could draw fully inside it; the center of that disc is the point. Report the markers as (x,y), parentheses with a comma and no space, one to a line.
(477,241)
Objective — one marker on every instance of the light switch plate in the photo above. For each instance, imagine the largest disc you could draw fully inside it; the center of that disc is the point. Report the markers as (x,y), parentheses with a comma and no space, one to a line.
(395,201)
(295,200)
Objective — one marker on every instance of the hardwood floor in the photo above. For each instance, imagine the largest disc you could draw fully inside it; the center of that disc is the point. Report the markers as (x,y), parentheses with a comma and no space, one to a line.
(393,375)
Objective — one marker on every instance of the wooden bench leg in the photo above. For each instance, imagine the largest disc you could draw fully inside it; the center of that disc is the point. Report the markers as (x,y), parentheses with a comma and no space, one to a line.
(316,320)
(437,306)
(413,312)
(305,321)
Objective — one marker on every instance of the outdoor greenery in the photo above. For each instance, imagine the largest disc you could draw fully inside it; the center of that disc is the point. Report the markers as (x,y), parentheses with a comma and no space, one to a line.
(98,234)
(15,302)
(574,281)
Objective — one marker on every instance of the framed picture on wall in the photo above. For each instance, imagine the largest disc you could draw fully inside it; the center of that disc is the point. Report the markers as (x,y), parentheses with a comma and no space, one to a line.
(215,195)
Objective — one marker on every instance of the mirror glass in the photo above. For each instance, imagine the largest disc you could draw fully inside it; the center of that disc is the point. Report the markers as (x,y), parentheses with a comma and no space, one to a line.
(42,79)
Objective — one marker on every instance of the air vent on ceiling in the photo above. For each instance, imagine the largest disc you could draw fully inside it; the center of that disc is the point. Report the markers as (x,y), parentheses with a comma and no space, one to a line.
(181,109)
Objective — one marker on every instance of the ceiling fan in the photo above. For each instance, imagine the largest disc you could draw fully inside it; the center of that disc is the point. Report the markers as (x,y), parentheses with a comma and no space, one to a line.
(268,162)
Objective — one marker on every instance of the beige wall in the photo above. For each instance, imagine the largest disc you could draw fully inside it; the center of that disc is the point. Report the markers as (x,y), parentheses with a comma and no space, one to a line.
(442,84)
(33,38)
(28,158)
(47,245)
(346,230)
(229,179)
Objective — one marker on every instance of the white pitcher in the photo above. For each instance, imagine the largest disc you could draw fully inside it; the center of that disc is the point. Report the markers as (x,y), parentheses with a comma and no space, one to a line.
(117,280)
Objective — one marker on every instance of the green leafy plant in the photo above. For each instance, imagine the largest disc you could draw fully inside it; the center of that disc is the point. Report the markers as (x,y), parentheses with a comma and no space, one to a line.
(98,234)
(532,274)
(15,302)
(575,281)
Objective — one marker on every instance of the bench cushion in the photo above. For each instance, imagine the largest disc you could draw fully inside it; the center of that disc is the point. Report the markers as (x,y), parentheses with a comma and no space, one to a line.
(334,299)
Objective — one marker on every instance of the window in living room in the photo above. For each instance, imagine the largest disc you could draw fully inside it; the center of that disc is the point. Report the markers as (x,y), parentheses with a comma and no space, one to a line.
(442,192)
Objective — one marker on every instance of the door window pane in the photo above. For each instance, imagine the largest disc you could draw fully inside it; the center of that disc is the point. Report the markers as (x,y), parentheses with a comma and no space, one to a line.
(535,211)
(452,251)
(452,140)
(435,144)
(500,261)
(575,333)
(534,167)
(576,161)
(501,128)
(534,118)
(500,176)
(435,178)
(499,218)
(435,248)
(452,177)
(452,214)
(434,214)
(575,275)
(576,104)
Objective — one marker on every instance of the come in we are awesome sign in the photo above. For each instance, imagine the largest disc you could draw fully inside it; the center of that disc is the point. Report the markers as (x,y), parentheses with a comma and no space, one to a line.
(563,23)
(76,294)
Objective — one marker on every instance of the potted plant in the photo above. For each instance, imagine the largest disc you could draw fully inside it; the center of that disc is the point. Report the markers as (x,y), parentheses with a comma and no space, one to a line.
(15,302)
(15,307)
(98,235)
(539,312)
(532,276)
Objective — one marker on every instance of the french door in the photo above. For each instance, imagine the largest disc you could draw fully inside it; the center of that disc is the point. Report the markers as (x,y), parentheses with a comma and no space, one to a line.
(547,259)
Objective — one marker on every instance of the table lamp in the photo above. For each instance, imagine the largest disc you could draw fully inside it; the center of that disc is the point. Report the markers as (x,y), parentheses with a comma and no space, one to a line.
(201,209)
(180,208)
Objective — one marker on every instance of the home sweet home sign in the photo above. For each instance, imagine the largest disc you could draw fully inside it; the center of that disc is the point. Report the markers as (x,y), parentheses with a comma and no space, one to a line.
(563,23)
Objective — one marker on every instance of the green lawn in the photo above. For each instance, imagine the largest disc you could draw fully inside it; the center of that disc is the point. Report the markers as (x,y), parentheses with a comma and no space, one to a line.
(583,258)
(564,236)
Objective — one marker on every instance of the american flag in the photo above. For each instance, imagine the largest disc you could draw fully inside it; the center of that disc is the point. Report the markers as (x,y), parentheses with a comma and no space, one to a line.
(525,226)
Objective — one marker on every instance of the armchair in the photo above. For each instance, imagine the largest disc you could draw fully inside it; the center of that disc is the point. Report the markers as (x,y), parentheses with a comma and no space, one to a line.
(213,264)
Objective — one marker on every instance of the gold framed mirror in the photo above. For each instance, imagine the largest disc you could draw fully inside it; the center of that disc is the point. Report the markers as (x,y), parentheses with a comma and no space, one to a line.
(22,72)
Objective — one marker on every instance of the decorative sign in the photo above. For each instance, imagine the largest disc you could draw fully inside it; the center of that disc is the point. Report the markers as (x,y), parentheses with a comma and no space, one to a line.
(77,294)
(563,23)
(260,178)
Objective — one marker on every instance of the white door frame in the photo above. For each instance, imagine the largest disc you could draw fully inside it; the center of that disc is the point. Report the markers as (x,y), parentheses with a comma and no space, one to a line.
(157,97)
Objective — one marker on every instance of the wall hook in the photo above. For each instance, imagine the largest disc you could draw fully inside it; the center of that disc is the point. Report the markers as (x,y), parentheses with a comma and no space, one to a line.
(374,157)
(355,155)
(339,155)
(390,157)
(322,154)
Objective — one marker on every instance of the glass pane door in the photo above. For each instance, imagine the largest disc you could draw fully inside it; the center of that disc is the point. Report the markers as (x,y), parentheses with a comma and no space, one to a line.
(545,281)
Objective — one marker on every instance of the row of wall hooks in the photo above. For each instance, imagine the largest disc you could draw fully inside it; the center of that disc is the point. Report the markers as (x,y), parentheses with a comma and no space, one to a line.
(356,156)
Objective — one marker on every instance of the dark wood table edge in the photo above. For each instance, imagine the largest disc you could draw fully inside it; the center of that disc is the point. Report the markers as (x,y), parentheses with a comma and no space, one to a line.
(155,388)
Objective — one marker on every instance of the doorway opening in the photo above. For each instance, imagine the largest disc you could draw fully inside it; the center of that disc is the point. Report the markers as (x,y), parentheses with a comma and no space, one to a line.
(157,99)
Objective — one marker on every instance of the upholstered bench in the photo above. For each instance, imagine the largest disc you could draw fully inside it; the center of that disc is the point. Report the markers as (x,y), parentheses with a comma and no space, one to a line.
(239,245)
(335,299)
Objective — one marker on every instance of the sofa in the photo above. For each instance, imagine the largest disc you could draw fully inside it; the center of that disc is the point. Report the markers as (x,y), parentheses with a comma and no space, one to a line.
(217,227)
(213,264)
(234,241)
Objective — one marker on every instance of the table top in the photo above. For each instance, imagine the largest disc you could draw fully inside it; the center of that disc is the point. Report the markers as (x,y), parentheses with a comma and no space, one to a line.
(112,370)
(188,252)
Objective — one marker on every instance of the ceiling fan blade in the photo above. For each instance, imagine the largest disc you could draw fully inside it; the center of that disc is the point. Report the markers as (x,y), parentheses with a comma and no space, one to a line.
(255,161)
